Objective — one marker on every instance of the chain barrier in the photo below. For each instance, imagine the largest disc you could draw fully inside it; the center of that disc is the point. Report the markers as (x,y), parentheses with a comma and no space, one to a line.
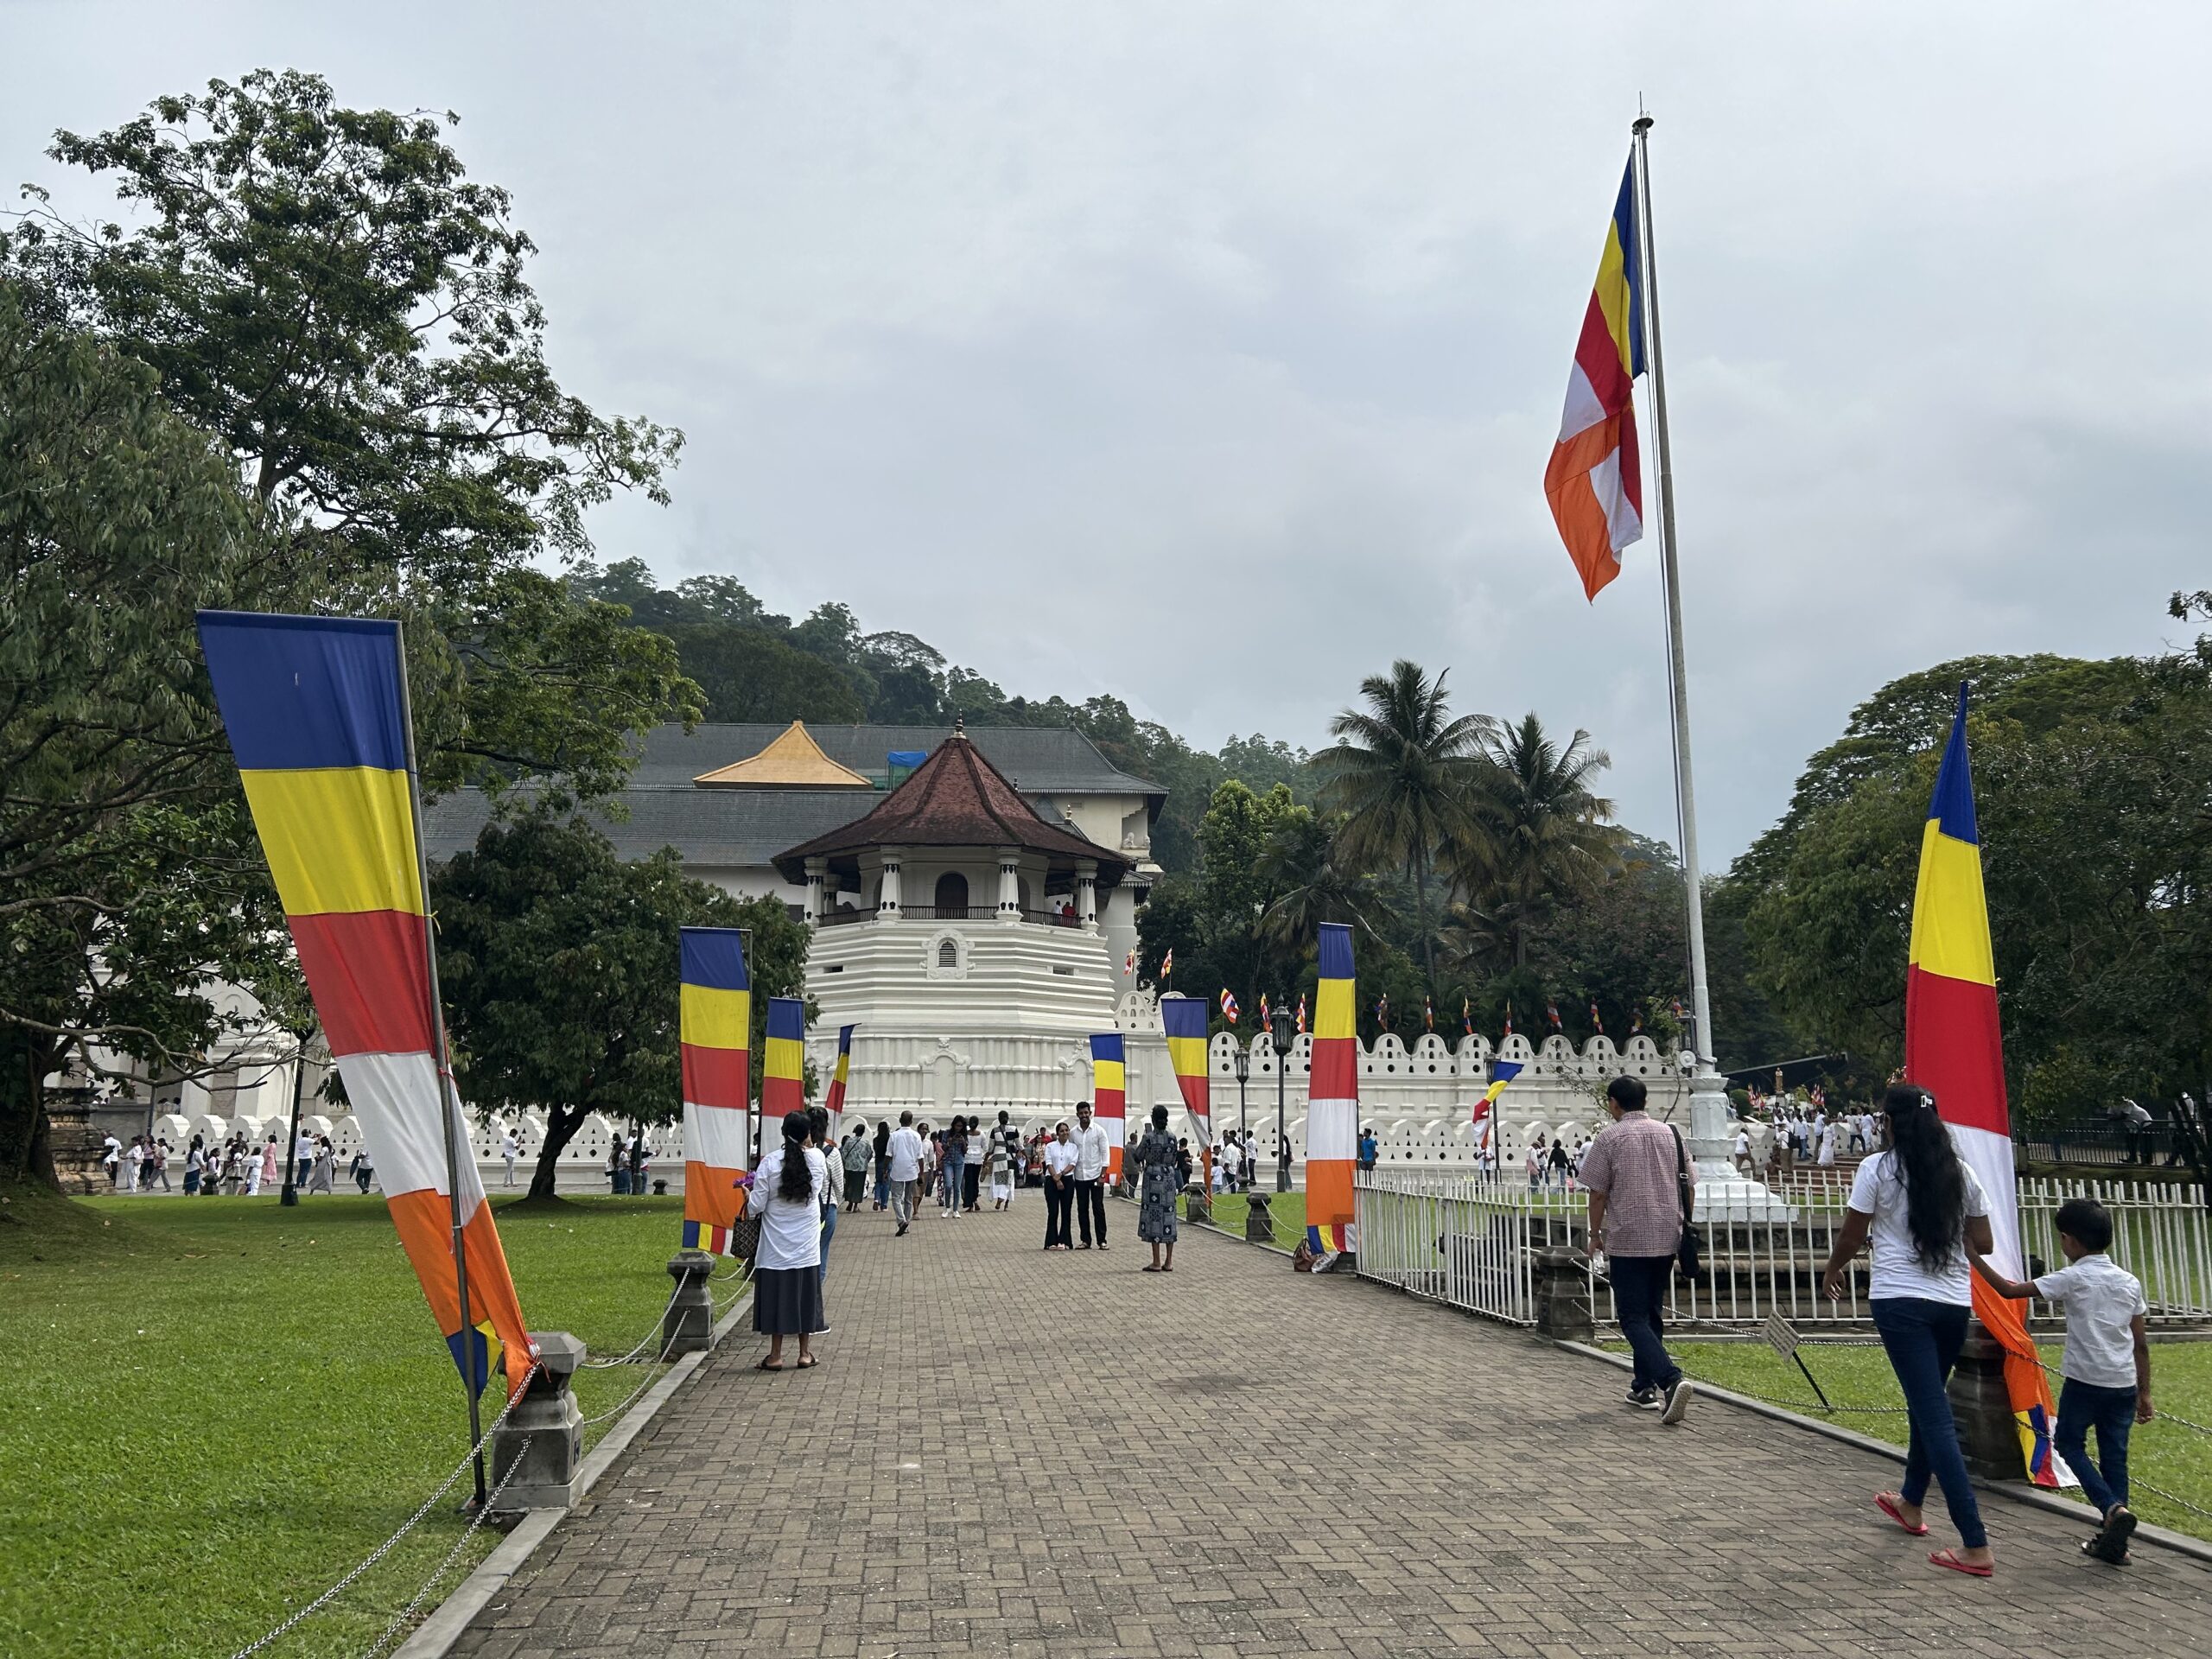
(659,1329)
(406,1527)
(399,1619)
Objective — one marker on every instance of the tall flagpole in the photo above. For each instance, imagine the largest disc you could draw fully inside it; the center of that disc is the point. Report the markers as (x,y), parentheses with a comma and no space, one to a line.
(1708,1136)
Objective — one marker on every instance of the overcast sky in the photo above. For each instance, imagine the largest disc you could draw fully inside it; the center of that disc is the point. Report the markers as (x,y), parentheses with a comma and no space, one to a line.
(1211,354)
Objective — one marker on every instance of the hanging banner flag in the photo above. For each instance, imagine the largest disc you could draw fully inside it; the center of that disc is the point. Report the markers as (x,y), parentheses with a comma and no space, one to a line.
(1228,1007)
(1594,480)
(1954,1049)
(1332,1097)
(1267,1019)
(1501,1073)
(836,1099)
(315,707)
(783,1067)
(1428,1011)
(1301,1013)
(1109,1107)
(1597,1019)
(1167,963)
(714,1035)
(1184,1018)
(1466,1016)
(1129,965)
(1509,1020)
(1551,1012)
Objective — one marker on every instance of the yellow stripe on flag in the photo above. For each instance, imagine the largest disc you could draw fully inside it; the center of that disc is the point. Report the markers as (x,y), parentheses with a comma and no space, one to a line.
(1187,1055)
(1110,1074)
(1950,917)
(1332,1015)
(1612,289)
(714,1019)
(786,1057)
(338,838)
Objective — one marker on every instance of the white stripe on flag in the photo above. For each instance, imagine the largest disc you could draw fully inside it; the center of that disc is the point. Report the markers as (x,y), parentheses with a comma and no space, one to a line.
(1332,1129)
(720,1137)
(1990,1157)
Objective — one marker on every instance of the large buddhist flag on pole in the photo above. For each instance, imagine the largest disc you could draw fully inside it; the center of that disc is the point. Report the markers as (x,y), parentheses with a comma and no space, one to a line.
(783,1069)
(1109,1099)
(1953,1048)
(716,1044)
(1332,1097)
(1501,1073)
(1594,482)
(1184,1018)
(316,711)
(836,1099)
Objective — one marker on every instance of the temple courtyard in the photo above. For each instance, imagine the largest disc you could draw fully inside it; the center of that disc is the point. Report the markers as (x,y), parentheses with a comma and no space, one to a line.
(1007,1453)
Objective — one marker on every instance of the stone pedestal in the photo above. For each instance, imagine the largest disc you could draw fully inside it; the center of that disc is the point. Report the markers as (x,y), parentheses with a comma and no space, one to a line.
(1724,1192)
(1197,1206)
(1988,1434)
(546,1427)
(687,1326)
(74,1144)
(1562,1291)
(1259,1226)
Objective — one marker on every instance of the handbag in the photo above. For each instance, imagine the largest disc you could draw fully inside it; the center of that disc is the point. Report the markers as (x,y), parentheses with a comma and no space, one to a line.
(1687,1252)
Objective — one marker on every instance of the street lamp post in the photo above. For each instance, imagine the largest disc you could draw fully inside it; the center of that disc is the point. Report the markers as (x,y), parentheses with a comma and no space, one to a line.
(1282,1033)
(1243,1071)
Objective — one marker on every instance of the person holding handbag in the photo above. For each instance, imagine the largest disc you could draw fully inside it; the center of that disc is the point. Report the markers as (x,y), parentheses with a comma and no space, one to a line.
(1642,1184)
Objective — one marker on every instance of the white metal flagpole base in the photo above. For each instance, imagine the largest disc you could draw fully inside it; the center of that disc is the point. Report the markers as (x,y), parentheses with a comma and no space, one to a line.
(1725,1192)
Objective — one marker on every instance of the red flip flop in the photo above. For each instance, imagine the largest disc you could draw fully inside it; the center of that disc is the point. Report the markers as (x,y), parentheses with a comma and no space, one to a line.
(1882,1502)
(1946,1558)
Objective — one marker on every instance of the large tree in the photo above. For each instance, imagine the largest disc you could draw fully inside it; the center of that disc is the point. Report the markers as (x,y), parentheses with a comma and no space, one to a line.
(1402,773)
(1544,836)
(560,970)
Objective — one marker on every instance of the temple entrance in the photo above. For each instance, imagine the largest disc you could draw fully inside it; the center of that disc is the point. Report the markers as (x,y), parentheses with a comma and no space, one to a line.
(952,897)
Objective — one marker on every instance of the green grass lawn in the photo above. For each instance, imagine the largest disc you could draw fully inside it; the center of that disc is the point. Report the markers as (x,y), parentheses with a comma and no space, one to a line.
(215,1408)
(1286,1211)
(2164,1454)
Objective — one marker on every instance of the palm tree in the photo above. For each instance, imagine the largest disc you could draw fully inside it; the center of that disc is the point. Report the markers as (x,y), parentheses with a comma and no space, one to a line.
(1311,885)
(1402,772)
(1545,834)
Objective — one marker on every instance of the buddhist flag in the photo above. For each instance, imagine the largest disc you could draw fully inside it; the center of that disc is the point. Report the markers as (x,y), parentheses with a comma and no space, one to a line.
(1501,1073)
(717,1039)
(1594,482)
(1953,1049)
(836,1101)
(1109,1084)
(783,1067)
(1332,1097)
(1228,1007)
(315,707)
(1184,1018)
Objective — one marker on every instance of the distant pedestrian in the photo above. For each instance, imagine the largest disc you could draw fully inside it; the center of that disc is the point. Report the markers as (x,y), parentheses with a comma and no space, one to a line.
(1370,1150)
(999,1166)
(2107,1367)
(1922,1207)
(1059,1188)
(195,1165)
(1093,1156)
(324,1167)
(856,1156)
(260,1167)
(157,1166)
(1535,1163)
(952,1164)
(640,1155)
(1007,1136)
(363,1169)
(1555,1165)
(111,1161)
(883,1165)
(786,1194)
(818,1123)
(1636,1173)
(617,1169)
(510,1149)
(971,1167)
(302,1157)
(904,1161)
(1158,1176)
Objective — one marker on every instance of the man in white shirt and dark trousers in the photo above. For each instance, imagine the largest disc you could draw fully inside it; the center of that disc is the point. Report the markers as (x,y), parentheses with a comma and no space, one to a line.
(1092,1153)
(906,1150)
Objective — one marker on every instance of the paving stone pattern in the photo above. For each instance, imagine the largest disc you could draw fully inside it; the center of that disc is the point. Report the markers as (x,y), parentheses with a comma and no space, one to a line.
(1008,1453)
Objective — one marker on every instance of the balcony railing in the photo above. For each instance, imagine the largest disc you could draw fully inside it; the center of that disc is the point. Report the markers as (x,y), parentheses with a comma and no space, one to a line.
(846,918)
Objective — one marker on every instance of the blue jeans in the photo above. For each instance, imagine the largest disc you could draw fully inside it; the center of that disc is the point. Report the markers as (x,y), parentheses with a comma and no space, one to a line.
(882,1182)
(1639,1296)
(1923,1339)
(2111,1412)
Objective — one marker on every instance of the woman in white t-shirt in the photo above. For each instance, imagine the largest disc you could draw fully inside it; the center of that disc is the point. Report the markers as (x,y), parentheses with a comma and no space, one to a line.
(1920,1203)
(786,1194)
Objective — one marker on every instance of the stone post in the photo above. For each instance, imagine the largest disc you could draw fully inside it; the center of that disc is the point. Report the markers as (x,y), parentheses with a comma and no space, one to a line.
(818,875)
(1259,1226)
(1988,1434)
(1563,1291)
(1009,884)
(546,1427)
(688,1326)
(1198,1206)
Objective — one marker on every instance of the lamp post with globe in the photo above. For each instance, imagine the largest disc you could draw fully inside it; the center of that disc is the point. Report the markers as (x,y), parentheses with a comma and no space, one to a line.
(1282,1033)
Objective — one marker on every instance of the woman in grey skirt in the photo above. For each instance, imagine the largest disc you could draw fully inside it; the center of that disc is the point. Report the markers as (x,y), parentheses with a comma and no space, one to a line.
(1162,1170)
(786,1194)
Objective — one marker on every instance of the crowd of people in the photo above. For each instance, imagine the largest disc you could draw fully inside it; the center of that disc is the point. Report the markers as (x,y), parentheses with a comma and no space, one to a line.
(231,1168)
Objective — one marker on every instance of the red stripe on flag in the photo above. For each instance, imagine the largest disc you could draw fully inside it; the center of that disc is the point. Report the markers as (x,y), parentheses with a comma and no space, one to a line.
(1954,1048)
(716,1077)
(781,1096)
(1599,356)
(367,971)
(1335,1074)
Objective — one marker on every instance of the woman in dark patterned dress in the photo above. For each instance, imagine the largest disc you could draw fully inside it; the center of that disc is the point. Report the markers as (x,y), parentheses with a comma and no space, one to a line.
(1161,1172)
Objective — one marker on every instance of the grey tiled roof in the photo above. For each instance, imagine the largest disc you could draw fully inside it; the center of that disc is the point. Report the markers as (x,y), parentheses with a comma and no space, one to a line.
(748,827)
(1038,760)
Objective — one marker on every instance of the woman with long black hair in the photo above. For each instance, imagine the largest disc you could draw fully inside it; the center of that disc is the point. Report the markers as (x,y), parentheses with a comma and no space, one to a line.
(786,1194)
(1921,1205)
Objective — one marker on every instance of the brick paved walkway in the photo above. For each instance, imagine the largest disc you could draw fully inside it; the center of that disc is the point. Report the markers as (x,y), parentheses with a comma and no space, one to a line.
(1005,1452)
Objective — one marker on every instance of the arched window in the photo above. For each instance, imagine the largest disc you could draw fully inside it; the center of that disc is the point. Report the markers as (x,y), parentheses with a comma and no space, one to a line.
(952,897)
(948,954)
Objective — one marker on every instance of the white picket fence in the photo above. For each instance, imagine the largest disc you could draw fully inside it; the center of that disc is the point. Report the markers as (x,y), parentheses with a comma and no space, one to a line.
(1472,1242)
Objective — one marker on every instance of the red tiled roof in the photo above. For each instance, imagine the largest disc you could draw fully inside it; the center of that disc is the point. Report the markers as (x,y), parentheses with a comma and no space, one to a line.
(955,798)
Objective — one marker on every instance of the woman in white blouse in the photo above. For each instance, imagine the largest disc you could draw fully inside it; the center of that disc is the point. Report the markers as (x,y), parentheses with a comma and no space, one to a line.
(786,1194)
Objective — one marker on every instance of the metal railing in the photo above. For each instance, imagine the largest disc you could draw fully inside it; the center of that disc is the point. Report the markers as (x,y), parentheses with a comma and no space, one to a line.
(849,917)
(1472,1242)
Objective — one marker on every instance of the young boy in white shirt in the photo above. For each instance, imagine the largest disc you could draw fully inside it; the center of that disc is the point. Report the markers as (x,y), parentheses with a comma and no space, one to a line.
(2107,1367)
